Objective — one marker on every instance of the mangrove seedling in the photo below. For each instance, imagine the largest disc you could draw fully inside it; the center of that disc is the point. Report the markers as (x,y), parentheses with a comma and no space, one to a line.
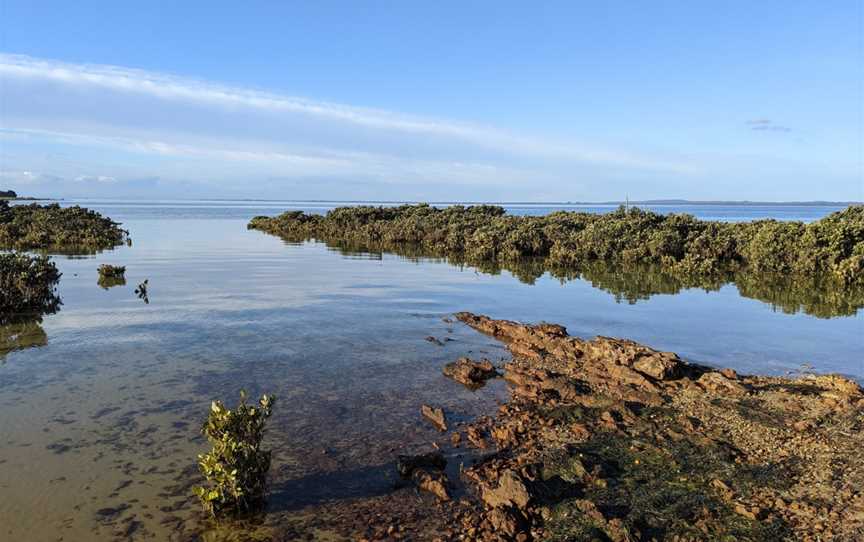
(141,291)
(236,468)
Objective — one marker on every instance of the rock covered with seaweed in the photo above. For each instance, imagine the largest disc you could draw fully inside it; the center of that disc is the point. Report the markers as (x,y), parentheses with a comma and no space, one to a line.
(633,253)
(28,287)
(680,242)
(610,440)
(63,229)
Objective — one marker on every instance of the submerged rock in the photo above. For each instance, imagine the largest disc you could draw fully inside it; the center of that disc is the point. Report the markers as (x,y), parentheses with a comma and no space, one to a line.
(472,374)
(436,416)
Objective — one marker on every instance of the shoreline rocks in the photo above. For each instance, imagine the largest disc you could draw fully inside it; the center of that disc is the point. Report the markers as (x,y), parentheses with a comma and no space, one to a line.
(613,440)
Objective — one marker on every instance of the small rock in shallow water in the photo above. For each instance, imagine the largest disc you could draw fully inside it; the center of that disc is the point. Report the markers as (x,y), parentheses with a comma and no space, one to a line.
(436,416)
(472,374)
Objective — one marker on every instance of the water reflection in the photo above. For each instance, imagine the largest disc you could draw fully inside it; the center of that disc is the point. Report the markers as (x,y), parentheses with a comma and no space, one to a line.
(631,283)
(107,283)
(20,336)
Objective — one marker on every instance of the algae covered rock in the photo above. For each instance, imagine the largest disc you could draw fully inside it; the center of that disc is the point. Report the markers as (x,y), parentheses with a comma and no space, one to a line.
(111,276)
(51,227)
(28,287)
(633,253)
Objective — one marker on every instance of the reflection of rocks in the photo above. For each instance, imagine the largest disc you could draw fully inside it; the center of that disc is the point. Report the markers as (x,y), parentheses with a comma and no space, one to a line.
(21,336)
(111,282)
(472,374)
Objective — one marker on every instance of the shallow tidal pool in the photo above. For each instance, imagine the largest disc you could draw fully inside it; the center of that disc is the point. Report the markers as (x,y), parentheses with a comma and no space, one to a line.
(101,403)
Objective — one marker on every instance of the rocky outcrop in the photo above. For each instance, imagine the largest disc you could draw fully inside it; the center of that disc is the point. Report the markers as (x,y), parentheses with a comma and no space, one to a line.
(610,439)
(471,374)
(426,471)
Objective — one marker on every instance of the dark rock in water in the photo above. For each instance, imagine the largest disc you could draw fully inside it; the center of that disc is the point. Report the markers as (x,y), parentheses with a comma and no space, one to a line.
(435,415)
(434,340)
(472,374)
(425,471)
(407,464)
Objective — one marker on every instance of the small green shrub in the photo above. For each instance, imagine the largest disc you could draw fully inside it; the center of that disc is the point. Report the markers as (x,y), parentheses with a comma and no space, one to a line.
(236,467)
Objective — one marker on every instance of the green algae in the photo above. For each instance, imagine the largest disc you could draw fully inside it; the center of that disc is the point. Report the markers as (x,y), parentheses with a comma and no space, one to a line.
(657,489)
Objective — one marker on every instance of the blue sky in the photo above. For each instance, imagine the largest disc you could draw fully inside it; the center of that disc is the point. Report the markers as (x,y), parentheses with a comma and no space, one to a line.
(540,101)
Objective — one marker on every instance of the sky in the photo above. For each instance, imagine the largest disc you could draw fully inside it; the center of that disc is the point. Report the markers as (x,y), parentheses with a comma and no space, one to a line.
(438,101)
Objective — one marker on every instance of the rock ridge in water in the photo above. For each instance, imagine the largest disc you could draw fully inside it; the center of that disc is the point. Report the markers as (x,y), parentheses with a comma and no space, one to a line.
(610,439)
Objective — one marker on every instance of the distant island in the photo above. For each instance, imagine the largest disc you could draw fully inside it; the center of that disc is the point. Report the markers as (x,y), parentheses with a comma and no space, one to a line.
(12,195)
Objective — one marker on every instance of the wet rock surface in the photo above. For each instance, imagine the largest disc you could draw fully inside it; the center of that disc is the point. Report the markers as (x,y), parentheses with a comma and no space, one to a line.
(611,440)
(472,374)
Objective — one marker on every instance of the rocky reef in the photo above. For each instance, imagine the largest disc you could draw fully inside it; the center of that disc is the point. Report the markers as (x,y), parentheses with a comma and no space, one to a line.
(59,229)
(28,287)
(632,253)
(610,440)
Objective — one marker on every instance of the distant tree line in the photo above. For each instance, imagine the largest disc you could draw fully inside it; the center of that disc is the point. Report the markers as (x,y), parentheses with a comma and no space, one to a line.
(8,194)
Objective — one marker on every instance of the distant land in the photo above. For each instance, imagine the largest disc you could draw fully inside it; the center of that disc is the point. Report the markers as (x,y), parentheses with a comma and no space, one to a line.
(12,195)
(611,202)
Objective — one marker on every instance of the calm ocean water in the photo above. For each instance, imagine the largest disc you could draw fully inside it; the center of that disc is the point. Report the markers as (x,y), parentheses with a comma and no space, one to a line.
(100,404)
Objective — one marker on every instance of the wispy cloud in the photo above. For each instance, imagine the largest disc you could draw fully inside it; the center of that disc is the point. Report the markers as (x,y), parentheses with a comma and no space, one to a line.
(205,131)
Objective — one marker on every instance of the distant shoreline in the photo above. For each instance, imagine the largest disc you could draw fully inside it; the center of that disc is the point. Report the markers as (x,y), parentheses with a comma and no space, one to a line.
(670,202)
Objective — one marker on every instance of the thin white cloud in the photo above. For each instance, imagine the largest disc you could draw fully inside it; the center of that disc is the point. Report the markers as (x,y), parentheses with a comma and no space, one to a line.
(253,157)
(183,90)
